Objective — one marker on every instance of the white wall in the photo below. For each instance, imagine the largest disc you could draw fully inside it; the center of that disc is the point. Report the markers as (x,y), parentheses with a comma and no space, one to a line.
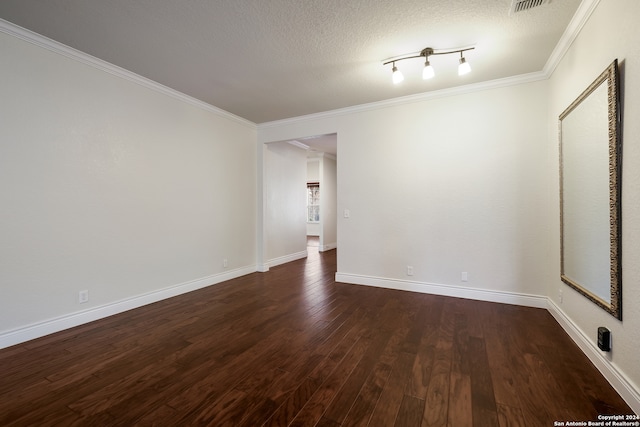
(328,203)
(285,177)
(445,185)
(112,187)
(313,169)
(611,32)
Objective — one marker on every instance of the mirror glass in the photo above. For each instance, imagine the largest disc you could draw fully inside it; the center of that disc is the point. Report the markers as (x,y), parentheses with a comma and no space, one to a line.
(590,193)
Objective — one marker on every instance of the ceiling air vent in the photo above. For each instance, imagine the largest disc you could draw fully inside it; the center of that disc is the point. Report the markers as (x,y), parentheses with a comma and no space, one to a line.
(522,5)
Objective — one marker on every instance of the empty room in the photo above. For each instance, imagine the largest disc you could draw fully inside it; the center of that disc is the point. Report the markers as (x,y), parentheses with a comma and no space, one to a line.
(319,213)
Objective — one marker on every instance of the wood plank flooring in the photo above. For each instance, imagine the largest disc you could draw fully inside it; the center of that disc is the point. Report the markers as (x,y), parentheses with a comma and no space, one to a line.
(291,347)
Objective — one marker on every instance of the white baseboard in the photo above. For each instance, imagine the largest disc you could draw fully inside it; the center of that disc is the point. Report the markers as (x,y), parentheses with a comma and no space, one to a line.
(71,320)
(285,259)
(627,390)
(617,379)
(328,247)
(445,290)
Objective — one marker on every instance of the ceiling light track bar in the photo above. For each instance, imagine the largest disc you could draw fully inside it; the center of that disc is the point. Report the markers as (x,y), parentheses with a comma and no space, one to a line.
(428,72)
(427,51)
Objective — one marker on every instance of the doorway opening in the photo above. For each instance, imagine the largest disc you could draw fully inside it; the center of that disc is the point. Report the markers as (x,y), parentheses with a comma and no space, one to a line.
(286,220)
(322,190)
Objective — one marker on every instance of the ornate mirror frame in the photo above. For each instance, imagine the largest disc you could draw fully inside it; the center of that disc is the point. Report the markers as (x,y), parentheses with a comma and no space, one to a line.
(580,252)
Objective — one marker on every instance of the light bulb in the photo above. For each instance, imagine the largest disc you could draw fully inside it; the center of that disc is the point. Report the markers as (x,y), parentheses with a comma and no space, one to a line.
(464,67)
(427,71)
(397,75)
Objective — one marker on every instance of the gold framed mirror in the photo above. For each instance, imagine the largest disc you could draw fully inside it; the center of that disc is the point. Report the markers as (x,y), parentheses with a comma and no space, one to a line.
(590,191)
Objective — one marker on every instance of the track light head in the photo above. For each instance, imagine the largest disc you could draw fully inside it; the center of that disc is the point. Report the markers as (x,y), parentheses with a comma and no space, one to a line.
(427,71)
(464,67)
(396,75)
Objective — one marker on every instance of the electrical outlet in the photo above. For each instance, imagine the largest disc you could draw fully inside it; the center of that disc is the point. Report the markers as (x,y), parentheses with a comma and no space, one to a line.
(409,270)
(83,296)
(464,276)
(604,339)
(560,295)
(225,263)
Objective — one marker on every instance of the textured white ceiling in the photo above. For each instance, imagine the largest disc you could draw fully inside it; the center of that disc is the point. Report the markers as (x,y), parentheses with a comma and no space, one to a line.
(265,60)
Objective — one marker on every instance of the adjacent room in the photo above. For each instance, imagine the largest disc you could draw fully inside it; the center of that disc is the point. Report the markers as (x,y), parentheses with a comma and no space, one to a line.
(319,213)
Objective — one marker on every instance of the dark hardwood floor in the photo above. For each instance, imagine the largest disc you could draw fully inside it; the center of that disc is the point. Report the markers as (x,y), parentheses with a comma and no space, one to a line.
(292,347)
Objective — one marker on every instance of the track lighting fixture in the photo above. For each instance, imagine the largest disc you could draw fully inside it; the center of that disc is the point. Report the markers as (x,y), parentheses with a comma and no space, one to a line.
(428,71)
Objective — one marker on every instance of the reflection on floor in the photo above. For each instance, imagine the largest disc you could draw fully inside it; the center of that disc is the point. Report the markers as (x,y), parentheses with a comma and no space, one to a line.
(313,243)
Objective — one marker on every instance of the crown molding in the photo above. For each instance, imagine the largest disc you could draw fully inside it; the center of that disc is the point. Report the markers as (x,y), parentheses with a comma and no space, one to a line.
(76,55)
(584,11)
(298,144)
(579,19)
(419,97)
(316,156)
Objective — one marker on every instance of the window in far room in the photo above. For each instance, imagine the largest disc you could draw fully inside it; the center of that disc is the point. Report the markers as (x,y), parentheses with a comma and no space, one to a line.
(313,201)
